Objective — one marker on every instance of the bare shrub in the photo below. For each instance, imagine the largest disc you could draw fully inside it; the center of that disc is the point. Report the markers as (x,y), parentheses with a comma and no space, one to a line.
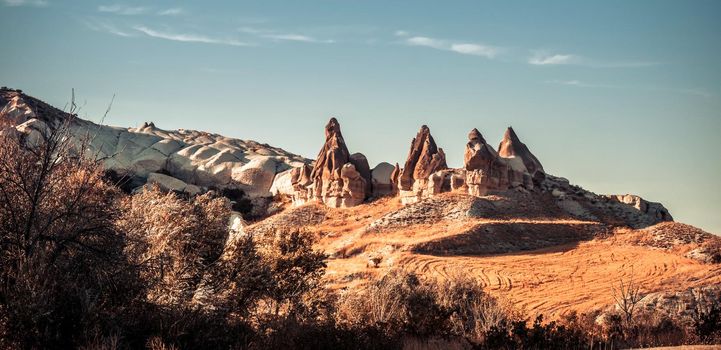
(473,313)
(174,241)
(62,271)
(296,270)
(627,295)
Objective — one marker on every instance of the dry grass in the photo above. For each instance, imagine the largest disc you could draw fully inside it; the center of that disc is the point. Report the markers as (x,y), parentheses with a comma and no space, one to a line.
(552,281)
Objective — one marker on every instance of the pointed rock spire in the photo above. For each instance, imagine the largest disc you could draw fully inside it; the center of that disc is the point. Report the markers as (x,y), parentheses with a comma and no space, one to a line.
(337,179)
(332,155)
(424,158)
(478,154)
(512,147)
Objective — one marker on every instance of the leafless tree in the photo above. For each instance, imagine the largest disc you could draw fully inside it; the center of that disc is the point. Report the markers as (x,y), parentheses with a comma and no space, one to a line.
(627,295)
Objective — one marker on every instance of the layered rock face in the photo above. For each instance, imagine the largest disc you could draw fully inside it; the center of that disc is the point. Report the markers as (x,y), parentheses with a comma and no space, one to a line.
(197,159)
(424,159)
(337,179)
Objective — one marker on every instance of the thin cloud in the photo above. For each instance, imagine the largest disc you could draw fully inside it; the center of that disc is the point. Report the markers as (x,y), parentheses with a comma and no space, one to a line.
(457,47)
(189,38)
(19,3)
(427,42)
(101,26)
(274,35)
(297,37)
(171,12)
(474,49)
(543,58)
(123,10)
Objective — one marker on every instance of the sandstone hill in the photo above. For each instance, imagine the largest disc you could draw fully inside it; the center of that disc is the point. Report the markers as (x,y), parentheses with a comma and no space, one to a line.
(534,238)
(178,160)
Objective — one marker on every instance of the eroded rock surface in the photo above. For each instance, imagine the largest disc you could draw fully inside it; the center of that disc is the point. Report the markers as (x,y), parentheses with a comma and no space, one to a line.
(196,158)
(424,159)
(335,178)
(517,153)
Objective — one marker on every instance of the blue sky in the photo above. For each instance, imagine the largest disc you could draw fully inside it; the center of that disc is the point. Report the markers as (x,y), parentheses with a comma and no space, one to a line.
(618,96)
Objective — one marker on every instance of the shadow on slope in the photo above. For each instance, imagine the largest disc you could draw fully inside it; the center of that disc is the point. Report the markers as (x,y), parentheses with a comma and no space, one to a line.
(500,238)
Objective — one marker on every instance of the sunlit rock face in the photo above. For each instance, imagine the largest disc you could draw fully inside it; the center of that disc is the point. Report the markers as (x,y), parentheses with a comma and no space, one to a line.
(424,159)
(198,159)
(517,153)
(337,179)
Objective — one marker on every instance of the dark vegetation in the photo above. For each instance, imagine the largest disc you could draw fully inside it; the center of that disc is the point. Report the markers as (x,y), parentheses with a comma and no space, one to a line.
(86,265)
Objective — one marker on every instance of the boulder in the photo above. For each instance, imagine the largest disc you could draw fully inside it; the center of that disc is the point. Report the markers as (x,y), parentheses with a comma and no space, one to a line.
(382,180)
(360,162)
(256,177)
(169,183)
(282,183)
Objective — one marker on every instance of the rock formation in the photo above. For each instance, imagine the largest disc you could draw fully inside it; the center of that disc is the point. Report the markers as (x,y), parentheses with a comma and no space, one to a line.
(360,162)
(485,169)
(193,162)
(382,179)
(518,154)
(199,159)
(337,178)
(424,159)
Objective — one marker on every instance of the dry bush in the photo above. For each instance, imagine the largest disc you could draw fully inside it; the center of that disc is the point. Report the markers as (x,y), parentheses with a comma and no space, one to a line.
(62,271)
(473,312)
(401,304)
(296,270)
(174,241)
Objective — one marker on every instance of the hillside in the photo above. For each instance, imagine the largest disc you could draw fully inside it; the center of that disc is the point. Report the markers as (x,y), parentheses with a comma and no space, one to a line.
(548,262)
(547,245)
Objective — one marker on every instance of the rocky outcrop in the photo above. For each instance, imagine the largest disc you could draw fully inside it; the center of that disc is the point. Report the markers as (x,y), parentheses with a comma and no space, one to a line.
(486,170)
(337,178)
(169,183)
(382,179)
(517,153)
(360,162)
(655,211)
(195,158)
(424,159)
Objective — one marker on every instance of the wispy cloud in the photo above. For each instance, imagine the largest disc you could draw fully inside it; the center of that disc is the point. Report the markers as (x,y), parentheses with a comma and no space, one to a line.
(123,10)
(298,37)
(18,3)
(171,12)
(544,58)
(102,26)
(280,36)
(190,38)
(446,45)
(582,84)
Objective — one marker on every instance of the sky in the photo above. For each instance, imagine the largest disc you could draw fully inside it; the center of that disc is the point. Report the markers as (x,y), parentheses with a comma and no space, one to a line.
(617,96)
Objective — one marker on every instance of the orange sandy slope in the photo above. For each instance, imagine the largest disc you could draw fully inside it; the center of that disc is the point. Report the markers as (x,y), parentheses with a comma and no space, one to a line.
(552,281)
